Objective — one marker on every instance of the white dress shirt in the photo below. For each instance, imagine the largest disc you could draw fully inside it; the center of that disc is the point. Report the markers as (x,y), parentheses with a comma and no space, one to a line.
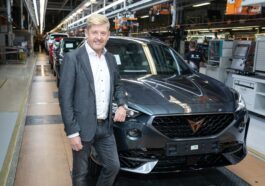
(101,77)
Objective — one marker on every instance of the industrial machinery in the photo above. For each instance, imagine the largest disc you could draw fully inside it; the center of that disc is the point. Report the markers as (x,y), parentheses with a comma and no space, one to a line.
(219,59)
(243,55)
(242,60)
(259,59)
(252,88)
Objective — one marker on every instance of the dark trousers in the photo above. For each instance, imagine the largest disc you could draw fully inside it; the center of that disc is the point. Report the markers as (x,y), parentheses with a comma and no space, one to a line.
(105,145)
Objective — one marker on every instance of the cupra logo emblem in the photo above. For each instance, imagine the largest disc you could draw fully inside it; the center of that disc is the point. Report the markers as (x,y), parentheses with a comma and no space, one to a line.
(196,125)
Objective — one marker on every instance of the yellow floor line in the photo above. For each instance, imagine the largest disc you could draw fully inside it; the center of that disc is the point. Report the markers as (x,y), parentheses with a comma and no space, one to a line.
(256,153)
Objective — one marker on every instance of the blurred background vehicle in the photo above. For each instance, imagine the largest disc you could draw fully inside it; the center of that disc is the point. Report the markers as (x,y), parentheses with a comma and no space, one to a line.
(67,44)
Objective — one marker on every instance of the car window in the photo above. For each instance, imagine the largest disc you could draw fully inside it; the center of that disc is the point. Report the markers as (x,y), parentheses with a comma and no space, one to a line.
(70,45)
(167,61)
(130,57)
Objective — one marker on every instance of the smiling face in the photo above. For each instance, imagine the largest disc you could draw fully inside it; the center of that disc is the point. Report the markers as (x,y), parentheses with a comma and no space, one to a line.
(97,37)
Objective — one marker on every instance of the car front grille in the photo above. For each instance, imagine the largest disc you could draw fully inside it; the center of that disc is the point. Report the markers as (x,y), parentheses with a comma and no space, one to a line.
(192,125)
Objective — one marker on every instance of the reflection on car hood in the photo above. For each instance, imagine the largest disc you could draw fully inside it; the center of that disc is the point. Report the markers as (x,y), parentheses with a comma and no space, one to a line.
(195,93)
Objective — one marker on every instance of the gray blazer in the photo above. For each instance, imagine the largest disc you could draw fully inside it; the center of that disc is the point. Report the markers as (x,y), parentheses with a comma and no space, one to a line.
(77,93)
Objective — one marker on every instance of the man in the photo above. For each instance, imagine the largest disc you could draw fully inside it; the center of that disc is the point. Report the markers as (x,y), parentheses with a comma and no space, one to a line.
(194,58)
(89,81)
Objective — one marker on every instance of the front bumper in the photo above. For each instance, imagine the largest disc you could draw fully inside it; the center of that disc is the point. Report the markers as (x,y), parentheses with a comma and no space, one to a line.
(153,152)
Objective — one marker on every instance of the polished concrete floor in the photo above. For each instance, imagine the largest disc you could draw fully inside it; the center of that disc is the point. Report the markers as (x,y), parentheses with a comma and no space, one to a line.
(45,156)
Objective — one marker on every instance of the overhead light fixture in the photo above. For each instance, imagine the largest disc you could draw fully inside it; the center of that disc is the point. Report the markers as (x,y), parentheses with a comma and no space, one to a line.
(201,4)
(42,5)
(225,28)
(115,3)
(198,29)
(87,4)
(97,12)
(238,29)
(36,11)
(204,31)
(245,28)
(79,11)
(144,16)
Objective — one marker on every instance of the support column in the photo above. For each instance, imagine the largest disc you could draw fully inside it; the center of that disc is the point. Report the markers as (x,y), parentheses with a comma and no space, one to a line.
(104,4)
(21,15)
(173,13)
(9,24)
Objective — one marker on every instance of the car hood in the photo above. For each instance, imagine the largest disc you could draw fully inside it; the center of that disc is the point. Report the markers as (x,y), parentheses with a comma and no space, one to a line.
(194,93)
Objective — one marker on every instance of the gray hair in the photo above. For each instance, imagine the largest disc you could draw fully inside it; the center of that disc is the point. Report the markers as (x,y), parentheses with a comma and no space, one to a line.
(97,19)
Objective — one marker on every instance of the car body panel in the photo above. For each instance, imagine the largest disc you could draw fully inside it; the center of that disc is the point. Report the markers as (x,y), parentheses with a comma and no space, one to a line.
(179,95)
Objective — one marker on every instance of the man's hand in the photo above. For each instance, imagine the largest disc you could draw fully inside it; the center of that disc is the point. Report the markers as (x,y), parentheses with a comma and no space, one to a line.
(75,143)
(120,114)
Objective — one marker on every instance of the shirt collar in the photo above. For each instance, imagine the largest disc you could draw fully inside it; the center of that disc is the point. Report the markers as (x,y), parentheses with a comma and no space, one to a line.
(91,51)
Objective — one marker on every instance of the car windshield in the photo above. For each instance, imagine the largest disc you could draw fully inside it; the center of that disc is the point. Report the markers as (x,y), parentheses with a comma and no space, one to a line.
(130,57)
(132,60)
(167,61)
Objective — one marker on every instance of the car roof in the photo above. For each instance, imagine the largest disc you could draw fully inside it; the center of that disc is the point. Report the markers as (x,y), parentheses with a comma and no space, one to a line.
(73,38)
(132,39)
(139,40)
(58,34)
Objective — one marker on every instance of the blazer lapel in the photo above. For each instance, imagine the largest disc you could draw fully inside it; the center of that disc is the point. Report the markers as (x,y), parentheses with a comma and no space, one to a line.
(85,63)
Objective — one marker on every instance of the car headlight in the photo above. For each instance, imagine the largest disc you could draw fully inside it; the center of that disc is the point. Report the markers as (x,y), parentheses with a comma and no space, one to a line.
(240,102)
(130,113)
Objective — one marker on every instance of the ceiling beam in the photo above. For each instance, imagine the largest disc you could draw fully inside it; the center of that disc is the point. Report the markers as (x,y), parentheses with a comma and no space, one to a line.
(63,5)
(62,9)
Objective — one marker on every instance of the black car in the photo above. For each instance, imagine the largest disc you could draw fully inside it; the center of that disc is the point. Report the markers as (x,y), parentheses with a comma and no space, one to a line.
(67,44)
(177,119)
